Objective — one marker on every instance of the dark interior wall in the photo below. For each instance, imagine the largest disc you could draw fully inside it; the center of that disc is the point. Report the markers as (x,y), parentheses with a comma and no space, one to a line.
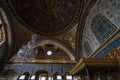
(106,74)
(2,51)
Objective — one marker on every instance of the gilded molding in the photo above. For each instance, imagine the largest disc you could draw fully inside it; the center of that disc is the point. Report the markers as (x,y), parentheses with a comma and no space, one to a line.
(93,62)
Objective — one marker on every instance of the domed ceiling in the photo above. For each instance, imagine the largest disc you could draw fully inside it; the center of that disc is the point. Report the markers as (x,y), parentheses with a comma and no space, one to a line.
(46,17)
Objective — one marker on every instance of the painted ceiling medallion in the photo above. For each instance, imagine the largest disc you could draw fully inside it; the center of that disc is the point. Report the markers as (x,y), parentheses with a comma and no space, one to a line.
(50,6)
(46,17)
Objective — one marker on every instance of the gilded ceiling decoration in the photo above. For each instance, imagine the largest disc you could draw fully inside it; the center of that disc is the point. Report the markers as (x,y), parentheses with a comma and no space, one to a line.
(2,29)
(114,54)
(57,53)
(37,50)
(46,17)
(5,34)
(70,37)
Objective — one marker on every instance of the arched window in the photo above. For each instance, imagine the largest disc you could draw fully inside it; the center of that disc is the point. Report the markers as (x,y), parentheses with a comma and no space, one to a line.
(2,29)
(32,77)
(22,77)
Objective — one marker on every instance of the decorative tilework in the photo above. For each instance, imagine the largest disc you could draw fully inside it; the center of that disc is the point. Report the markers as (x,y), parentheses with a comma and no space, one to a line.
(33,68)
(110,11)
(113,45)
(114,54)
(102,28)
(87,48)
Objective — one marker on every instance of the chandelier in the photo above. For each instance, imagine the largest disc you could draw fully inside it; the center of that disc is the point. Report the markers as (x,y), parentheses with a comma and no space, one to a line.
(28,52)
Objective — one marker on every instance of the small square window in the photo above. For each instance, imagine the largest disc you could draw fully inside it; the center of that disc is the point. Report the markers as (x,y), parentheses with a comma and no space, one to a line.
(59,77)
(68,77)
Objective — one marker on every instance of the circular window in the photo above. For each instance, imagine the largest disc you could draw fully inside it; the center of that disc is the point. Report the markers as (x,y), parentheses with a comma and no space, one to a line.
(49,52)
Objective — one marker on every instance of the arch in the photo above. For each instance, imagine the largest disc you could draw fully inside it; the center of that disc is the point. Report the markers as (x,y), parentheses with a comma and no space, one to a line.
(9,70)
(64,47)
(81,26)
(10,74)
(40,74)
(24,75)
(58,73)
(41,71)
(8,30)
(25,72)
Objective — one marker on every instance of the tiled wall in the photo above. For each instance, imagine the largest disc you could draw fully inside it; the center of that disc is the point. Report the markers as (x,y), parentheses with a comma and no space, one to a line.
(102,21)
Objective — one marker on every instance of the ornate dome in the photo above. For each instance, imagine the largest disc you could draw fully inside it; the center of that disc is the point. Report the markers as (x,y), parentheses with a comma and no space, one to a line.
(46,17)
